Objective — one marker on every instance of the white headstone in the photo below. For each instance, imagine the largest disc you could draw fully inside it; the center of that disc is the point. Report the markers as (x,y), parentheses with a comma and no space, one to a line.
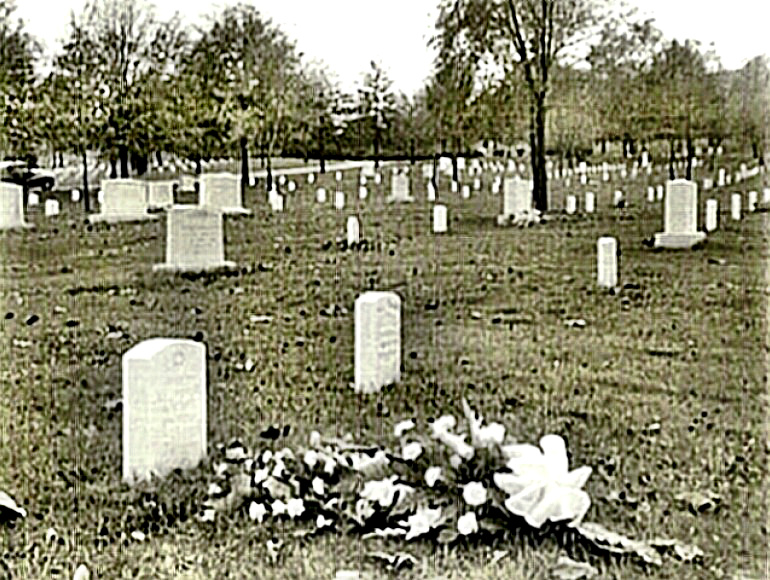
(431,191)
(160,194)
(650,194)
(362,193)
(607,262)
(194,240)
(735,206)
(399,188)
(721,177)
(281,180)
(712,215)
(680,216)
(707,183)
(12,206)
(164,407)
(339,200)
(33,199)
(571,204)
(439,219)
(476,184)
(583,179)
(766,195)
(590,202)
(311,178)
(461,163)
(751,204)
(617,198)
(728,179)
(51,207)
(122,200)
(276,202)
(517,196)
(320,195)
(222,191)
(427,170)
(338,176)
(378,178)
(660,192)
(582,166)
(362,179)
(496,186)
(100,197)
(377,341)
(75,195)
(466,191)
(187,182)
(455,186)
(291,186)
(353,230)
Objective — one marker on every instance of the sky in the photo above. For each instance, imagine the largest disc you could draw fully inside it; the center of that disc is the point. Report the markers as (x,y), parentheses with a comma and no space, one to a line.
(345,35)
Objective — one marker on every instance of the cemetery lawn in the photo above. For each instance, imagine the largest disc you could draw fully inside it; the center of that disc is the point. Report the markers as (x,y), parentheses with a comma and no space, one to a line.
(662,392)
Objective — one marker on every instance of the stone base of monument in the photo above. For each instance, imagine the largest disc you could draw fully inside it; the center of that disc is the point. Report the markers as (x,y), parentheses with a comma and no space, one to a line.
(674,241)
(122,217)
(233,210)
(196,268)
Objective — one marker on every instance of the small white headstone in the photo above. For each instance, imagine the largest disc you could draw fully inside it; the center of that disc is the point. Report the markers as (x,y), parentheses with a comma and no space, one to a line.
(338,176)
(712,215)
(735,206)
(607,262)
(605,176)
(362,192)
(431,191)
(291,186)
(378,178)
(160,194)
(51,207)
(399,188)
(751,204)
(281,180)
(33,199)
(164,407)
(12,206)
(466,191)
(721,177)
(194,240)
(461,163)
(496,186)
(660,192)
(571,204)
(100,197)
(476,184)
(583,179)
(680,216)
(617,198)
(362,179)
(353,230)
(276,202)
(320,195)
(766,195)
(377,341)
(339,200)
(517,196)
(311,178)
(650,194)
(75,195)
(439,219)
(455,187)
(590,202)
(728,179)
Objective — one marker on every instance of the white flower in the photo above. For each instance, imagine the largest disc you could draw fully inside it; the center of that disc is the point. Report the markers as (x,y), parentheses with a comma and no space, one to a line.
(284,453)
(330,465)
(364,510)
(257,511)
(267,456)
(318,486)
(541,487)
(457,444)
(261,475)
(467,524)
(411,451)
(455,461)
(278,468)
(214,490)
(138,536)
(384,491)
(278,507)
(403,427)
(295,507)
(443,424)
(489,436)
(310,458)
(474,493)
(322,522)
(432,475)
(82,573)
(365,462)
(422,521)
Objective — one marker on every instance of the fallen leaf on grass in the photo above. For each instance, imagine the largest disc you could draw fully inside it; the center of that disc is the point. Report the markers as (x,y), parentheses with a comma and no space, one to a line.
(569,569)
(9,511)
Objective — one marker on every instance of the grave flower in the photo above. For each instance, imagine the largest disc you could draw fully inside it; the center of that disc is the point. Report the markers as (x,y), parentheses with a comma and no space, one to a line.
(364,509)
(384,491)
(474,493)
(455,461)
(541,488)
(322,522)
(457,445)
(257,511)
(295,507)
(422,521)
(403,427)
(318,486)
(310,458)
(442,425)
(467,524)
(411,451)
(278,507)
(364,462)
(315,439)
(261,475)
(432,474)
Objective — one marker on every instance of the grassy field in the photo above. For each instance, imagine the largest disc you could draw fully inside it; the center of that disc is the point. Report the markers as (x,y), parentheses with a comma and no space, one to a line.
(682,344)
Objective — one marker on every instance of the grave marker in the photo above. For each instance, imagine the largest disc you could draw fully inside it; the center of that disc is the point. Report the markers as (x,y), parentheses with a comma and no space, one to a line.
(353,230)
(160,194)
(291,186)
(735,207)
(362,193)
(680,216)
(377,341)
(439,219)
(466,191)
(399,188)
(194,240)
(517,196)
(320,195)
(122,200)
(311,178)
(51,207)
(339,200)
(33,199)
(712,215)
(12,206)
(751,205)
(222,191)
(571,204)
(590,202)
(164,407)
(431,191)
(607,262)
(75,195)
(660,192)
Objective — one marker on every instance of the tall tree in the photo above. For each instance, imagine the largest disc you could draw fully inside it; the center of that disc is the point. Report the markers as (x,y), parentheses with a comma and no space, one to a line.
(377,104)
(527,33)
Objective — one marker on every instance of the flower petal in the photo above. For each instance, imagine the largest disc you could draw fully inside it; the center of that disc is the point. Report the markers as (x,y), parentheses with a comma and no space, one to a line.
(577,477)
(555,453)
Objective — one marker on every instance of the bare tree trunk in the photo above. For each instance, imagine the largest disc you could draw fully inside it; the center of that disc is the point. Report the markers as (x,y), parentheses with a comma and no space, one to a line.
(671,158)
(86,195)
(123,154)
(537,144)
(690,155)
(244,165)
(159,157)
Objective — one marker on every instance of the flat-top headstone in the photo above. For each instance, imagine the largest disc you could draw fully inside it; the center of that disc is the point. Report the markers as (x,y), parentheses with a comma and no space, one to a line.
(51,207)
(164,407)
(431,191)
(650,194)
(680,216)
(276,203)
(377,341)
(439,219)
(517,196)
(660,192)
(339,200)
(187,182)
(122,200)
(75,195)
(466,191)
(377,178)
(33,199)
(712,215)
(12,206)
(590,202)
(476,184)
(455,187)
(583,179)
(362,179)
(735,206)
(160,194)
(721,177)
(607,262)
(399,188)
(194,240)
(353,230)
(222,191)
(751,204)
(571,204)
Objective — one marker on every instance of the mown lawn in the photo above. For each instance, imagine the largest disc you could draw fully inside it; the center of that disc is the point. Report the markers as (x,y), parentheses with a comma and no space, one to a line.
(681,345)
